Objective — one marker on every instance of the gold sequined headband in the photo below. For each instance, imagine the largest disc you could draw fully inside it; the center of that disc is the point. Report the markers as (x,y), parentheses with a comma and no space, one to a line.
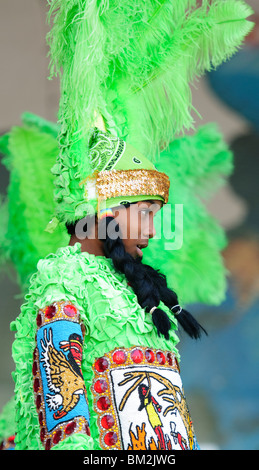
(113,183)
(108,184)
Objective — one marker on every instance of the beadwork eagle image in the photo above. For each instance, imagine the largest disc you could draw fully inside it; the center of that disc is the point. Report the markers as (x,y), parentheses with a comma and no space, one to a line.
(63,374)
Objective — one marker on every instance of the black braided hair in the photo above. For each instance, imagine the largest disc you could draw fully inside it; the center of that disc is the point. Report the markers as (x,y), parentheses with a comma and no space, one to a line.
(149,284)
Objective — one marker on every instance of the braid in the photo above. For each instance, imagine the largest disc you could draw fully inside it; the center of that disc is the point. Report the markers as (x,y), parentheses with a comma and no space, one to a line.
(170,299)
(139,278)
(149,285)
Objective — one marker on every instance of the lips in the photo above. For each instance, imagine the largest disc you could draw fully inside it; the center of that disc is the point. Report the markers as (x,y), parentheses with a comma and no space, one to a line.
(140,247)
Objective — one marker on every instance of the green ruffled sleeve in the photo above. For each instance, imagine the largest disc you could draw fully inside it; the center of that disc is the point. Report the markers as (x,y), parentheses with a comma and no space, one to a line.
(48,285)
(111,317)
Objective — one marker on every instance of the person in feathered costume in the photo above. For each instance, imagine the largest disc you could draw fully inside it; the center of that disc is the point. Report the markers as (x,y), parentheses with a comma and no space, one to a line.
(105,322)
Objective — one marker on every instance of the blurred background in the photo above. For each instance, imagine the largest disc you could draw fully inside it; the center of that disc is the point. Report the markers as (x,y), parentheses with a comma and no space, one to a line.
(220,372)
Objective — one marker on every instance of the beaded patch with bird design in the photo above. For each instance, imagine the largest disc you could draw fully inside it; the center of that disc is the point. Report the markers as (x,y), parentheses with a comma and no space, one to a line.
(60,393)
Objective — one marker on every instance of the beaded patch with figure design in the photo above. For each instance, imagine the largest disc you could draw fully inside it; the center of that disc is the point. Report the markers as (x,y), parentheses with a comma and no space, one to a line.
(139,399)
(60,393)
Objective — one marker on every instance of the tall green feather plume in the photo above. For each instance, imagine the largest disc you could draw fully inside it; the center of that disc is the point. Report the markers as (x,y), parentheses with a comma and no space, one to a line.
(132,62)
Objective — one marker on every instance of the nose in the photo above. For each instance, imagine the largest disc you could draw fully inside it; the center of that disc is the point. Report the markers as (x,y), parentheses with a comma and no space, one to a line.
(150,230)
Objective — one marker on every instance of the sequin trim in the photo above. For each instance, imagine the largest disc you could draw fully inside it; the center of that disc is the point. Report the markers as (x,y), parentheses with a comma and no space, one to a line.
(114,183)
(56,422)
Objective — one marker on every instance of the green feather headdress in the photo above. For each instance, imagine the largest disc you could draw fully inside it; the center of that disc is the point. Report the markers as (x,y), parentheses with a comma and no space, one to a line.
(131,64)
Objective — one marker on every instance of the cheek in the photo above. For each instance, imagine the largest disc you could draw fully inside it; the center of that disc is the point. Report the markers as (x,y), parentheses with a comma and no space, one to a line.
(129,225)
(130,246)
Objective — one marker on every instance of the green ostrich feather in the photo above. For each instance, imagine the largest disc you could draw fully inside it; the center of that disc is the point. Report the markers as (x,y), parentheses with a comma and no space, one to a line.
(132,62)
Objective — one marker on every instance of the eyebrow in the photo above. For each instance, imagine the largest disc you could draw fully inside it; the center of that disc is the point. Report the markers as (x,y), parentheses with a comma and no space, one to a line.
(154,201)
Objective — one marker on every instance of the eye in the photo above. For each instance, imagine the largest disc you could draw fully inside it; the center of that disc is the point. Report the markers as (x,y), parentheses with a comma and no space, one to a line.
(144,211)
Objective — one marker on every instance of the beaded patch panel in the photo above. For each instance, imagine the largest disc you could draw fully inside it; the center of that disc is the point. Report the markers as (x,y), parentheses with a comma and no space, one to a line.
(139,400)
(59,390)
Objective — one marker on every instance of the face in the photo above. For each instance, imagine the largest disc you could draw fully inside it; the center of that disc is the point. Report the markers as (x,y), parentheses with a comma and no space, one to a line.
(137,225)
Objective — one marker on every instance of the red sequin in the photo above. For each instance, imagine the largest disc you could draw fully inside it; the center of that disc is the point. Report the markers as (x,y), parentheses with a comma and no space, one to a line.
(57,436)
(38,401)
(70,310)
(103,403)
(100,386)
(119,357)
(137,356)
(150,356)
(39,320)
(101,364)
(42,434)
(48,444)
(36,385)
(170,359)
(50,311)
(34,368)
(41,418)
(110,438)
(160,357)
(70,427)
(87,429)
(107,421)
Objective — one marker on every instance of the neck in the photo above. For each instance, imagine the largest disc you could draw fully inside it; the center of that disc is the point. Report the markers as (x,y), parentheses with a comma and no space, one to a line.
(92,246)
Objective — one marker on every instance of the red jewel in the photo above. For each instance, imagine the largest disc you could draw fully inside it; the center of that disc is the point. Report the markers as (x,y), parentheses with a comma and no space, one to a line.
(110,438)
(101,364)
(119,357)
(48,444)
(11,439)
(36,385)
(150,356)
(38,401)
(87,429)
(70,310)
(170,359)
(107,421)
(50,311)
(70,427)
(39,320)
(41,418)
(160,357)
(103,403)
(42,434)
(57,436)
(34,354)
(137,356)
(34,368)
(100,386)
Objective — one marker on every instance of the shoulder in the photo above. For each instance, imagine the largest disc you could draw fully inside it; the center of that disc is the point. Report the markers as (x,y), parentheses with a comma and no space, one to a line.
(65,273)
(66,263)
